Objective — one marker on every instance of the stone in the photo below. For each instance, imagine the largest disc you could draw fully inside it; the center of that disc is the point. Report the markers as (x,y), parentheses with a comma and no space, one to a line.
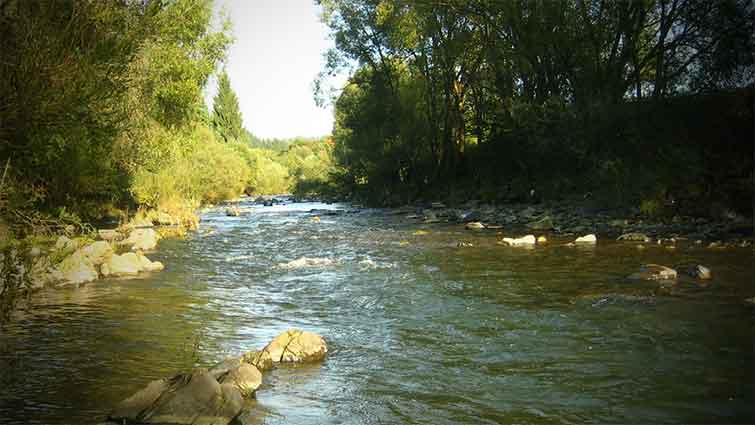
(245,377)
(260,359)
(654,272)
(591,238)
(542,239)
(698,271)
(141,240)
(97,252)
(475,225)
(77,268)
(109,234)
(196,399)
(147,265)
(462,244)
(128,264)
(634,237)
(544,223)
(525,240)
(295,346)
(137,406)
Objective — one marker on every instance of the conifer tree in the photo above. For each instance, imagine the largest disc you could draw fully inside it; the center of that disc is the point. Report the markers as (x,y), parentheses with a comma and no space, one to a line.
(226,116)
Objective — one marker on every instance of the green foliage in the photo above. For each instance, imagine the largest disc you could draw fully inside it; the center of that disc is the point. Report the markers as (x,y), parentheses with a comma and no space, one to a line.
(202,170)
(572,99)
(226,116)
(15,261)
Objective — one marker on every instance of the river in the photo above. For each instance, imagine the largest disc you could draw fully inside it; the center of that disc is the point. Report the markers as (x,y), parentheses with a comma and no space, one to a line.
(420,331)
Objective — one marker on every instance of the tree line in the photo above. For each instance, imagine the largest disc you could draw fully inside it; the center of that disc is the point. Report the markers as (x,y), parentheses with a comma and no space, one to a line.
(102,109)
(624,101)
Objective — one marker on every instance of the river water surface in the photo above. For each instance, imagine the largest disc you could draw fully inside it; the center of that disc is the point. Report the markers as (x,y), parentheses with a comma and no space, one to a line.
(419,330)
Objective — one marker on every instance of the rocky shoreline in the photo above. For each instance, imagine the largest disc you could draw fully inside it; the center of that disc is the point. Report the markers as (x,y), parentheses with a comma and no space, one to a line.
(218,395)
(577,220)
(116,253)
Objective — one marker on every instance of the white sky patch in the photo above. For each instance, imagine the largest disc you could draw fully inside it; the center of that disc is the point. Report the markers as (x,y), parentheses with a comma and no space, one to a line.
(277,54)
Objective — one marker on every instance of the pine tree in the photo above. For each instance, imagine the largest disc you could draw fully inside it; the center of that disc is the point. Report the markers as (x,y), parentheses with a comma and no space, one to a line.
(226,116)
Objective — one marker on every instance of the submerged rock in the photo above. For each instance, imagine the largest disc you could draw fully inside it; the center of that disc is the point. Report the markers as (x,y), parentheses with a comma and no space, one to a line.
(523,241)
(294,346)
(129,264)
(654,272)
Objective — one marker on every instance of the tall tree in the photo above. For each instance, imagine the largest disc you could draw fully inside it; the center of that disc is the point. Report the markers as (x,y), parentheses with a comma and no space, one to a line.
(226,116)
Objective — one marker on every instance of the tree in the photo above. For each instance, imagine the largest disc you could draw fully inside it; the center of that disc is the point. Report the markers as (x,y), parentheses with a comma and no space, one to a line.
(226,116)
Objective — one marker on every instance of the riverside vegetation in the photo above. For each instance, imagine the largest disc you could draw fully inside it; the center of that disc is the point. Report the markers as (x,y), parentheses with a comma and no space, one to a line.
(103,115)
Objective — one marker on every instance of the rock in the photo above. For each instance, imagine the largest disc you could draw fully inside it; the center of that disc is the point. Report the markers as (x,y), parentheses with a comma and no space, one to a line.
(260,359)
(77,268)
(586,239)
(184,399)
(698,271)
(97,252)
(525,240)
(294,346)
(475,225)
(654,272)
(149,266)
(234,211)
(43,273)
(462,244)
(109,235)
(542,239)
(137,406)
(634,237)
(245,377)
(141,240)
(128,264)
(544,223)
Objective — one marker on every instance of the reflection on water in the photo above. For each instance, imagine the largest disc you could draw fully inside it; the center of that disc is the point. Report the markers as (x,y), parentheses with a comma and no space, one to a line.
(420,330)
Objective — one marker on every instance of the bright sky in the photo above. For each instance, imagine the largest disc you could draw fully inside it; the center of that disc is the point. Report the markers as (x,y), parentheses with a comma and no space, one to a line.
(276,56)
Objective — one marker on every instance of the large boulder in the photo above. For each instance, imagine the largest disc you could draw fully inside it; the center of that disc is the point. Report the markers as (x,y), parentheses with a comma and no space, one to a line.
(196,399)
(77,268)
(141,239)
(260,359)
(295,346)
(654,272)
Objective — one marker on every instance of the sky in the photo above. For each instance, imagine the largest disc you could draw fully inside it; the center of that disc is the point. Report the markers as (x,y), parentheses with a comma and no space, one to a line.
(277,54)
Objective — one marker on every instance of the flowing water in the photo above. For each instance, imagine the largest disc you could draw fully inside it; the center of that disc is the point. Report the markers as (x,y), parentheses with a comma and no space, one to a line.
(419,330)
